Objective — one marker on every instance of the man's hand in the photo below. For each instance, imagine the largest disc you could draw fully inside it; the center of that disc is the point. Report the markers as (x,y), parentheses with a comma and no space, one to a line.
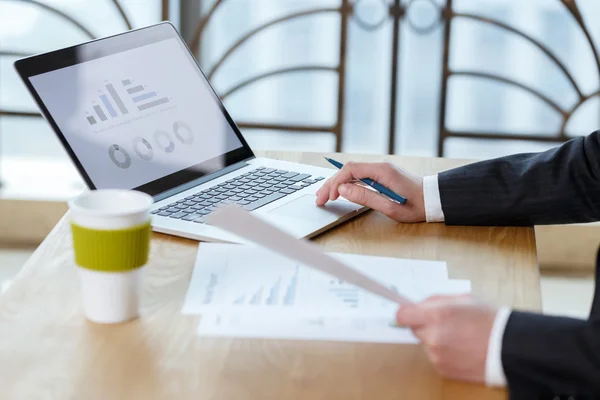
(455,331)
(394,178)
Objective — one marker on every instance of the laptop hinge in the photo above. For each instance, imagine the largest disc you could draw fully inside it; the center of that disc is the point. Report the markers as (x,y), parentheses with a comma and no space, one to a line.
(199,181)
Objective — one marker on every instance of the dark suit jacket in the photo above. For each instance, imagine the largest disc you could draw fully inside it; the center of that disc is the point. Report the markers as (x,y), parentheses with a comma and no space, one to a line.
(542,356)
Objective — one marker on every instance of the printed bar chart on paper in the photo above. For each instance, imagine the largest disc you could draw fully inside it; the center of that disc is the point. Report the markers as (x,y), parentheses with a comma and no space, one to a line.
(345,329)
(235,277)
(244,291)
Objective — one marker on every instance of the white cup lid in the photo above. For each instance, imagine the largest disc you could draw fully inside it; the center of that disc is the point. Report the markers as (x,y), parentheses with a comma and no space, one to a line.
(111,202)
(110,208)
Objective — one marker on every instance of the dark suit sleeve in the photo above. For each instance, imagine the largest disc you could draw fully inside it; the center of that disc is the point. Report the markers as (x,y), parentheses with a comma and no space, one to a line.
(558,186)
(546,356)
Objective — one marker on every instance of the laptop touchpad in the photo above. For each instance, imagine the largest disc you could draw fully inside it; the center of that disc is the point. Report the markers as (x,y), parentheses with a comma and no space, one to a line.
(305,208)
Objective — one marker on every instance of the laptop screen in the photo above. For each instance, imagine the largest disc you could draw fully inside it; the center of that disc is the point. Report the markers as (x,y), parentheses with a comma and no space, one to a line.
(136,116)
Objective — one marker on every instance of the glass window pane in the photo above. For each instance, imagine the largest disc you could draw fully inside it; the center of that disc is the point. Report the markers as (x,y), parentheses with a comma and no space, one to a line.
(485,104)
(29,28)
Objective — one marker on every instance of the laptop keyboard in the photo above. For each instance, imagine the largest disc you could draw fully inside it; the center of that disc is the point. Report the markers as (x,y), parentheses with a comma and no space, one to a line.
(251,190)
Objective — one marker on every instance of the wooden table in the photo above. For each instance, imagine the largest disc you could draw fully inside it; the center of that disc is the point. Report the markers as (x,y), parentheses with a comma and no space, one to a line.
(48,350)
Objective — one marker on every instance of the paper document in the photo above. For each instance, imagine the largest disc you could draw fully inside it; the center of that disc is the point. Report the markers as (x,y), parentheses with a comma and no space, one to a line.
(242,223)
(299,326)
(247,291)
(357,329)
(233,277)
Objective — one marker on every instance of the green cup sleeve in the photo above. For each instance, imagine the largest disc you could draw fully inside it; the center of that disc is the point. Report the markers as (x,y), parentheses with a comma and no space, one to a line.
(111,250)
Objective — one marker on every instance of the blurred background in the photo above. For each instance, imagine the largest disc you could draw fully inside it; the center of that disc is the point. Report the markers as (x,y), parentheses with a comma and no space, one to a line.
(455,78)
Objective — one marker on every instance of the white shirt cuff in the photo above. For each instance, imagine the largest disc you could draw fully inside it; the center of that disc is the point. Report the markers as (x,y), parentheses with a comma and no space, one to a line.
(494,372)
(433,202)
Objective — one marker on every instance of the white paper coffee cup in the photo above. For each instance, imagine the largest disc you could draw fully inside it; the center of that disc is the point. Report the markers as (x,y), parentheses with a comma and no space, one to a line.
(111,234)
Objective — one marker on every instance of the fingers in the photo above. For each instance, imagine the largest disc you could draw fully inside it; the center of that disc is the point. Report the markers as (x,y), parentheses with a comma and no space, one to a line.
(350,171)
(323,193)
(420,333)
(440,300)
(366,197)
(411,316)
(418,316)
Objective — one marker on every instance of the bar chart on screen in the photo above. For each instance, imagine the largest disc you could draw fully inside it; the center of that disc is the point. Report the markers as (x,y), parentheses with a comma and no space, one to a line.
(139,94)
(115,101)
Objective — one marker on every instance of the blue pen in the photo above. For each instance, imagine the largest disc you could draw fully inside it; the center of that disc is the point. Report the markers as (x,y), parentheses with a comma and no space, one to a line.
(377,186)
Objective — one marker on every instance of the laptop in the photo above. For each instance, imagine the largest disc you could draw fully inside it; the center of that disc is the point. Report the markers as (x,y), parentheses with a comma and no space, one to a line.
(134,111)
